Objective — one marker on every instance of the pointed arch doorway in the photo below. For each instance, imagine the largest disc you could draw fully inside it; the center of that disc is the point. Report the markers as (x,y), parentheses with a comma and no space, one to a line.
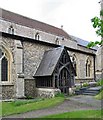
(64,78)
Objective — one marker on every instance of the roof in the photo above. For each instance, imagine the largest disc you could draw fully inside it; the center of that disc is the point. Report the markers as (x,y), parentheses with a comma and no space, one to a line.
(49,62)
(82,42)
(25,21)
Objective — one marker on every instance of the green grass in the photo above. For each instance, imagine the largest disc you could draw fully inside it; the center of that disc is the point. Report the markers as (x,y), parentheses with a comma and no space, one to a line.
(0,108)
(78,114)
(99,96)
(9,108)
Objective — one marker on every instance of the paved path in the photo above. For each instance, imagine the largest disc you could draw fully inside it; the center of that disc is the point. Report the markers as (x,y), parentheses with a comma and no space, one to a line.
(74,103)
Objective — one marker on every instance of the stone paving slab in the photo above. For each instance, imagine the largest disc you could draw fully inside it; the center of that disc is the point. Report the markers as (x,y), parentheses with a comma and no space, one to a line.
(96,88)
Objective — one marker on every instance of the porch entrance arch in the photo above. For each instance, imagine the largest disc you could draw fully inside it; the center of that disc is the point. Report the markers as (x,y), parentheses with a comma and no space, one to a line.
(64,78)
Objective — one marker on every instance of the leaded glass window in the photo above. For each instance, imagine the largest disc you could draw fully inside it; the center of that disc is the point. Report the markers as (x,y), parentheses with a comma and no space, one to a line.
(4,69)
(3,66)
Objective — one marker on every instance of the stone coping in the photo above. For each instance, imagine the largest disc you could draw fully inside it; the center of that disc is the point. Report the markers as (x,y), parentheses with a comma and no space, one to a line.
(6,84)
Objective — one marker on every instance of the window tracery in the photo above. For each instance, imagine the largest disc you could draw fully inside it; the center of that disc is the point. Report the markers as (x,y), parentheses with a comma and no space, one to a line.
(5,65)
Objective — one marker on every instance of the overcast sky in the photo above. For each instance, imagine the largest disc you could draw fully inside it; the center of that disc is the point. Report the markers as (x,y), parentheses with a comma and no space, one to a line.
(74,15)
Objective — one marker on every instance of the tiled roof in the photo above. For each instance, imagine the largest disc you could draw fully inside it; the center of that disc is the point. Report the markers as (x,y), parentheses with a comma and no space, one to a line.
(21,20)
(49,62)
(82,42)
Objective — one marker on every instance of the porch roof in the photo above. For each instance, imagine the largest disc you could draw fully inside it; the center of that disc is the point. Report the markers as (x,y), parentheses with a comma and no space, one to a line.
(49,62)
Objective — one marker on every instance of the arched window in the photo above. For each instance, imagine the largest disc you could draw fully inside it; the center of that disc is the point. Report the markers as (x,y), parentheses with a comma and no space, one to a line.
(4,65)
(57,41)
(4,69)
(37,36)
(74,62)
(88,67)
(11,30)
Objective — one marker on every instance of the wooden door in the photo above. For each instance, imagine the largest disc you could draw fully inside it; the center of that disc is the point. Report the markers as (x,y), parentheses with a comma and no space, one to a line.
(64,81)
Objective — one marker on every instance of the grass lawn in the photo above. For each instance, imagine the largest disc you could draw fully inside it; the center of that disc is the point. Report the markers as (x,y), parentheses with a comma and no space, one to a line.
(99,96)
(16,107)
(79,114)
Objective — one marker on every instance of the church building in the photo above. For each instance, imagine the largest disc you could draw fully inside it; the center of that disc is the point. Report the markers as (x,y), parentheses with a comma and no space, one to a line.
(38,59)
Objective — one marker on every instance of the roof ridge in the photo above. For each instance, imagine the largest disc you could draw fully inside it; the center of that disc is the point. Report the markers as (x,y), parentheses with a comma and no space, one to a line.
(32,23)
(30,18)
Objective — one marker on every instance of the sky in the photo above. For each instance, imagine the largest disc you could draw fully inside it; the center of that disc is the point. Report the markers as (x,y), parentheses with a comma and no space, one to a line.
(74,15)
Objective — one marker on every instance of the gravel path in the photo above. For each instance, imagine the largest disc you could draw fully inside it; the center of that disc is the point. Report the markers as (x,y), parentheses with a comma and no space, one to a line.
(74,103)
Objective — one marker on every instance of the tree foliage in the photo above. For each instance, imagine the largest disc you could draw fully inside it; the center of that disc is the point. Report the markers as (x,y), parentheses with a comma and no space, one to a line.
(97,24)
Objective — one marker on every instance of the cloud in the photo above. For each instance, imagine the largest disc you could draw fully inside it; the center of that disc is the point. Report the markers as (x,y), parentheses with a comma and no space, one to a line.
(74,15)
(49,6)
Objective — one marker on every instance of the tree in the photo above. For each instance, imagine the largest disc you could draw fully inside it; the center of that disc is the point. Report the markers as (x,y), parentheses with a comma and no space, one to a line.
(97,23)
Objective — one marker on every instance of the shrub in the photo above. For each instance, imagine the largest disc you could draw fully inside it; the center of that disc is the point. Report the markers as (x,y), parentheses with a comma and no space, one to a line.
(59,95)
(100,82)
(85,85)
(29,97)
(78,87)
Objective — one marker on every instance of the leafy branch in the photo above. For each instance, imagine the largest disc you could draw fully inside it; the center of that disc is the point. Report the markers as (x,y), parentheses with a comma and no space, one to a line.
(97,24)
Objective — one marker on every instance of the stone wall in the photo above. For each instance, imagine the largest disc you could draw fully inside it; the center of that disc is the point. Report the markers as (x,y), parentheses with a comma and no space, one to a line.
(85,49)
(30,89)
(28,56)
(8,43)
(99,63)
(7,91)
(81,66)
(30,33)
(8,87)
(33,53)
(47,92)
(12,46)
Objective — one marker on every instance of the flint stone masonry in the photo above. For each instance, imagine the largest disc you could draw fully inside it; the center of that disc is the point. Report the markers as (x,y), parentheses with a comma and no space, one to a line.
(30,88)
(7,91)
(33,53)
(9,43)
(30,33)
(32,56)
(81,66)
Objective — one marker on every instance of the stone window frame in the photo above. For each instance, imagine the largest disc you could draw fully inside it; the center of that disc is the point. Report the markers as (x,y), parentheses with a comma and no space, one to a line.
(37,36)
(88,67)
(74,62)
(57,41)
(11,29)
(8,55)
